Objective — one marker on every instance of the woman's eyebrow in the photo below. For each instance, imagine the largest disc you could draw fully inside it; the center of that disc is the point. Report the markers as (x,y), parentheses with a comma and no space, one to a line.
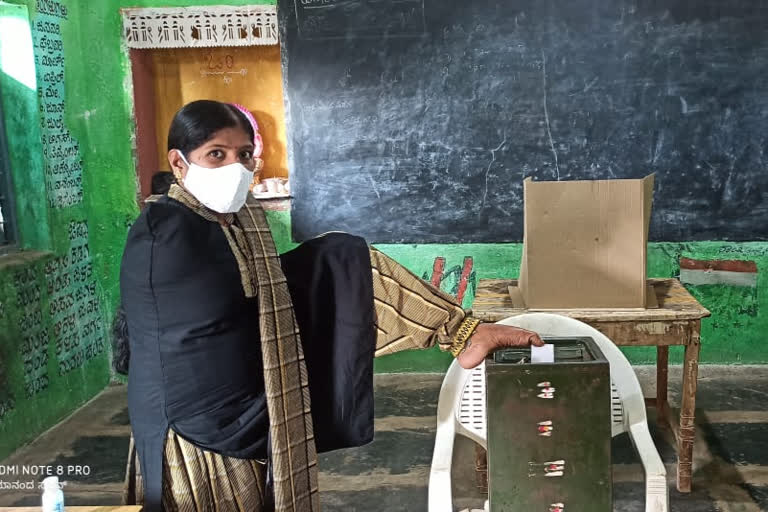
(225,146)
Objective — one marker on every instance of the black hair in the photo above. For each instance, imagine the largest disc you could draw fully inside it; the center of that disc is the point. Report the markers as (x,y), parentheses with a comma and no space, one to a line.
(162,181)
(121,350)
(196,122)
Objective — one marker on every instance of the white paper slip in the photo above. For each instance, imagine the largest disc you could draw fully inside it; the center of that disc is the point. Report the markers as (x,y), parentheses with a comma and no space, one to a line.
(545,354)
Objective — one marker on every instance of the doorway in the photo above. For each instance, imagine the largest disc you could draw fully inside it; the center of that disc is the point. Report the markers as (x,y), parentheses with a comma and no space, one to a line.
(170,72)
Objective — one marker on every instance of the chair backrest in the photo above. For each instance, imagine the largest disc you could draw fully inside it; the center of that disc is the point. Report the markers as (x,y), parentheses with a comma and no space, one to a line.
(470,415)
(461,410)
(627,402)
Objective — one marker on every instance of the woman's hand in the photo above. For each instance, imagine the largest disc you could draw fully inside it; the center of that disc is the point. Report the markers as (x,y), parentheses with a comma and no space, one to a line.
(490,337)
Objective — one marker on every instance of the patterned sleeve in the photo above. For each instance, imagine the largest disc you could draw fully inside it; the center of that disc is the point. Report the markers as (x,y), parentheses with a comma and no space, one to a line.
(410,312)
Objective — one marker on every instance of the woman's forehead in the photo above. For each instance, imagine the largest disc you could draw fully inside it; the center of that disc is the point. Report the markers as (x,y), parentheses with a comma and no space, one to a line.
(230,137)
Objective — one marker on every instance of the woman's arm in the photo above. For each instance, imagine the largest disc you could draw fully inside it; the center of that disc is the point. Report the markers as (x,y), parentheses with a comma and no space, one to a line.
(411,313)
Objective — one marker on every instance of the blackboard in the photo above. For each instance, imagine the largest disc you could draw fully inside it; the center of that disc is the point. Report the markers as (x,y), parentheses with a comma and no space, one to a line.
(414,121)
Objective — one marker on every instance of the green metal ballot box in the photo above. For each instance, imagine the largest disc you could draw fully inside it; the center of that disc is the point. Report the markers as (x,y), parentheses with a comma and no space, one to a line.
(549,429)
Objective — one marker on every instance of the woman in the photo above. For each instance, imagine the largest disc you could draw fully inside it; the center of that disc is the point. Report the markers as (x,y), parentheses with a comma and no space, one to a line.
(219,390)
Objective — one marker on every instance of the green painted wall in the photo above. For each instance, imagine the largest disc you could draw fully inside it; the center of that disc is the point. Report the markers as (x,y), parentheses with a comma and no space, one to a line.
(54,300)
(736,333)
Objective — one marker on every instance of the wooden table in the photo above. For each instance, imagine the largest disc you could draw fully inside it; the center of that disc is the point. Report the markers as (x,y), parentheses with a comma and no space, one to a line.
(677,321)
(123,508)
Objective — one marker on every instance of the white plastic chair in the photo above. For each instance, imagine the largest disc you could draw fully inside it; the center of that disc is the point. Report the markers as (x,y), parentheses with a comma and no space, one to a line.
(461,410)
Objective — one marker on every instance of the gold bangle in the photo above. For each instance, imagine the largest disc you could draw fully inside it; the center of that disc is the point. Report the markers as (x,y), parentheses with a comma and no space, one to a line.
(466,329)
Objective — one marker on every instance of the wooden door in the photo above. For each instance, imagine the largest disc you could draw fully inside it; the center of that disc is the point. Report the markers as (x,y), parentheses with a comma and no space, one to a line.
(167,79)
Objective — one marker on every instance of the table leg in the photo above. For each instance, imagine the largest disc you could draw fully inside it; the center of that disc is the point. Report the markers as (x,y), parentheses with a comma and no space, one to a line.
(687,411)
(662,372)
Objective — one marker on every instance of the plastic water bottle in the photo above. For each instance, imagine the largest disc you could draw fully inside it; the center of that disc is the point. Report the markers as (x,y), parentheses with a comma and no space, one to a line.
(53,498)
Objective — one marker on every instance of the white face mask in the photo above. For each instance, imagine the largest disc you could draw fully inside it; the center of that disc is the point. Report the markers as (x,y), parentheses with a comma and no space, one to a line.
(222,189)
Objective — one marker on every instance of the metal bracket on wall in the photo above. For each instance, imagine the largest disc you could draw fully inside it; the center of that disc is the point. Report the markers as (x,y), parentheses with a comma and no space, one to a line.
(200,27)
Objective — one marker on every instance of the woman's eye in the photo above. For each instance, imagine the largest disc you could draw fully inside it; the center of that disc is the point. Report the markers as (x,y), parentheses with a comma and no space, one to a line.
(216,153)
(246,155)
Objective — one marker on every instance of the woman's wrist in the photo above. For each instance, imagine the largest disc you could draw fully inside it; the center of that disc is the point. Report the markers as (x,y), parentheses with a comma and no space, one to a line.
(461,340)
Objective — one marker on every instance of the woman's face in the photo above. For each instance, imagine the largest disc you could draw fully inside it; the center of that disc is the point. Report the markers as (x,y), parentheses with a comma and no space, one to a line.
(227,146)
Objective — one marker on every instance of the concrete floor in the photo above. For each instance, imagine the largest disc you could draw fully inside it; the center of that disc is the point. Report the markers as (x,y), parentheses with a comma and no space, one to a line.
(391,474)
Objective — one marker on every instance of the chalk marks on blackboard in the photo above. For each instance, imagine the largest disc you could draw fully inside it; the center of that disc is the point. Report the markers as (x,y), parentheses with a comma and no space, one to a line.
(546,112)
(657,147)
(584,90)
(339,19)
(490,164)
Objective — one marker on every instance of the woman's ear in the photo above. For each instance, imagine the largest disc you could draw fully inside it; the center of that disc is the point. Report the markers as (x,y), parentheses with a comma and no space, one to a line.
(258,145)
(178,165)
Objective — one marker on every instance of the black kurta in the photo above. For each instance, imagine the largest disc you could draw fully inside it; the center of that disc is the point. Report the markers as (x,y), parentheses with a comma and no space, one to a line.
(196,363)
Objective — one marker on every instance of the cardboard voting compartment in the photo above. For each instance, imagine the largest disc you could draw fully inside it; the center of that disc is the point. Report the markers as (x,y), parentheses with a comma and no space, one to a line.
(584,244)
